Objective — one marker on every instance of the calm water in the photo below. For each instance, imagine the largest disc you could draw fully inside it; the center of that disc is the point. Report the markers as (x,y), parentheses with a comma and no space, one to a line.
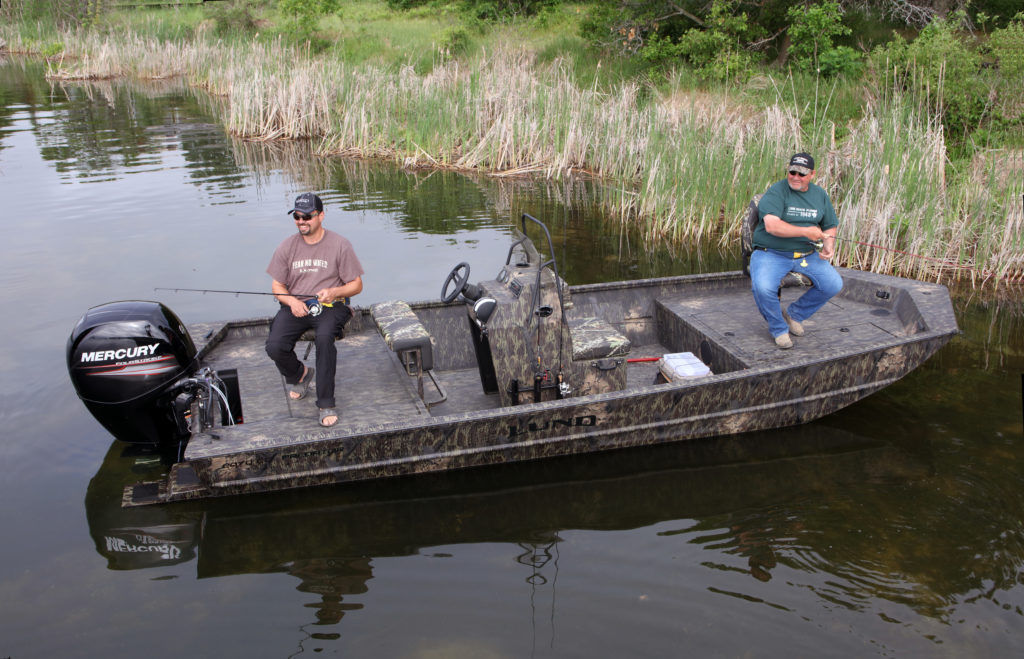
(891,528)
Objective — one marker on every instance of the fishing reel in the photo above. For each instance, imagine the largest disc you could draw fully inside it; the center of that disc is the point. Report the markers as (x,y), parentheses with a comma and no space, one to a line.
(315,308)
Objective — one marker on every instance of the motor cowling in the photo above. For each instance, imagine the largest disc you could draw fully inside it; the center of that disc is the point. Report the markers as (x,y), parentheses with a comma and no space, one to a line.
(124,359)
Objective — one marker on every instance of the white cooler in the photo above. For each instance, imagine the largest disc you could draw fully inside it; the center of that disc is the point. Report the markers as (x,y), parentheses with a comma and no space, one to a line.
(679,365)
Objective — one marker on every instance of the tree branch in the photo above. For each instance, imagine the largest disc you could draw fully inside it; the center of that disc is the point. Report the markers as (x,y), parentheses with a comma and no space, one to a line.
(679,11)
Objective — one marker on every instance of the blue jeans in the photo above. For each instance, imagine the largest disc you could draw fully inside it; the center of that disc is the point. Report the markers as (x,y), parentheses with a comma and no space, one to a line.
(768,267)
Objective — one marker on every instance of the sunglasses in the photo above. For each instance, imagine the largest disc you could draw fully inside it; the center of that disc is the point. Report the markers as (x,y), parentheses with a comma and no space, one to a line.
(793,172)
(302,217)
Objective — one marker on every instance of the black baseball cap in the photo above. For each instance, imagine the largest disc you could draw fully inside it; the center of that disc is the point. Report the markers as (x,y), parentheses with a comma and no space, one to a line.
(307,203)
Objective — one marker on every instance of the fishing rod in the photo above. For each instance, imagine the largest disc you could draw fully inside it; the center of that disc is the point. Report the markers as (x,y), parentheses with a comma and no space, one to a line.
(315,306)
(951,264)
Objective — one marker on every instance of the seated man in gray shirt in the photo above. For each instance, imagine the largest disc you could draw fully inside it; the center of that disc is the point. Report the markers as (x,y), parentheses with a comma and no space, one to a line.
(317,262)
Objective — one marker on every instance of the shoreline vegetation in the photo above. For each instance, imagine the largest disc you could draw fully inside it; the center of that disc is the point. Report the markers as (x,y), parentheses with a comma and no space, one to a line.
(678,160)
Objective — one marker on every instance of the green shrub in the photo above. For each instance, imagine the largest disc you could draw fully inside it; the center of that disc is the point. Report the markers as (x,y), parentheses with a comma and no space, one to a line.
(406,4)
(503,9)
(301,19)
(1007,47)
(491,10)
(811,33)
(307,8)
(302,32)
(939,67)
(595,26)
(454,41)
(717,50)
(52,49)
(840,60)
(234,17)
(63,13)
(998,12)
(660,51)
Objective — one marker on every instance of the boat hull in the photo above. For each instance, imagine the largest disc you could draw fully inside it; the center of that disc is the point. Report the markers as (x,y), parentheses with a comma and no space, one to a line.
(526,367)
(733,403)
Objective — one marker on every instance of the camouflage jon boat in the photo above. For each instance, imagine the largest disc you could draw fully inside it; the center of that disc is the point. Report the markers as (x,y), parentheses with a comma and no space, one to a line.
(519,367)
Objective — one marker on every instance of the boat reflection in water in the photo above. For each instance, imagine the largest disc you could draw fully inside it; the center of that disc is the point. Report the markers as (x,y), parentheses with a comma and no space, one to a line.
(328,538)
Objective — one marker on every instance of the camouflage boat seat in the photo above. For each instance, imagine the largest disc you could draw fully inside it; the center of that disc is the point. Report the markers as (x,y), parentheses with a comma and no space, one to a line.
(747,248)
(408,338)
(595,338)
(405,334)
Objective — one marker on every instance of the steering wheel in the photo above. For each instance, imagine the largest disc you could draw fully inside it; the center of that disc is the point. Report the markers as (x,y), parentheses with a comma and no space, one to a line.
(459,275)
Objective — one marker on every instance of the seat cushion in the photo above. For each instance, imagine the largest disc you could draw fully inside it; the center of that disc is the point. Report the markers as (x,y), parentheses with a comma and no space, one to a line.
(402,329)
(595,338)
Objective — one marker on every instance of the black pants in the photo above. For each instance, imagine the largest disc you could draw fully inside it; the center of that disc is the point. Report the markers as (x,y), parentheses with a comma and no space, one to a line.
(285,331)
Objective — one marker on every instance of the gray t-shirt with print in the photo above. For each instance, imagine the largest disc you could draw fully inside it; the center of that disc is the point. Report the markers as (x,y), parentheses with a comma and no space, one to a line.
(306,269)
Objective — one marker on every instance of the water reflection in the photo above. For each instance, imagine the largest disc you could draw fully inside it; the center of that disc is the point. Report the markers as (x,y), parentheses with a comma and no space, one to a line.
(110,130)
(451,205)
(711,492)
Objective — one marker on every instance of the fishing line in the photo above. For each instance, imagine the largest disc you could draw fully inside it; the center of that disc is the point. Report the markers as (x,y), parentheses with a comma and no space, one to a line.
(951,264)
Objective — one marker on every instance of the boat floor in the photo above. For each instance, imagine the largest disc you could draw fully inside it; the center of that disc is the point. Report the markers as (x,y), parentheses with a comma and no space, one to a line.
(371,384)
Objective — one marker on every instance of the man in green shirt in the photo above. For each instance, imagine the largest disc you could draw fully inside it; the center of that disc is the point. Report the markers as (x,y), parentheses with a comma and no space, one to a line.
(794,216)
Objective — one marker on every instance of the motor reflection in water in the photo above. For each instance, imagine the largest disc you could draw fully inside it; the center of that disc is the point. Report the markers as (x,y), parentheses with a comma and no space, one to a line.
(131,541)
(327,538)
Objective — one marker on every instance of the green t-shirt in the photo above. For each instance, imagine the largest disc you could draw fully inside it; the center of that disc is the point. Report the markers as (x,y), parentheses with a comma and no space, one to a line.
(797,208)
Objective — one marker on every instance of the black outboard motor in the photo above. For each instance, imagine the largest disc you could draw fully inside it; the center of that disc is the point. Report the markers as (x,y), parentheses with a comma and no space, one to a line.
(129,361)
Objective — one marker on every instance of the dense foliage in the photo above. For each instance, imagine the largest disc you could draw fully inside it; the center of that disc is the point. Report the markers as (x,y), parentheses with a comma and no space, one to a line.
(484,9)
(916,105)
(964,57)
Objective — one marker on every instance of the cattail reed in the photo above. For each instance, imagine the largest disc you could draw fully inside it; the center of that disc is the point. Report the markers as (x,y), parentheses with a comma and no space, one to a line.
(680,164)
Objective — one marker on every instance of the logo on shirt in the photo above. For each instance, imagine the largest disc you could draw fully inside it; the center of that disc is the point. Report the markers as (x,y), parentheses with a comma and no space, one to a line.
(805,213)
(308,265)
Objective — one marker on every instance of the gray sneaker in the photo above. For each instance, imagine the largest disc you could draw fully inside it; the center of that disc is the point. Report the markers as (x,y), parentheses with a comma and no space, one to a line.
(795,327)
(783,341)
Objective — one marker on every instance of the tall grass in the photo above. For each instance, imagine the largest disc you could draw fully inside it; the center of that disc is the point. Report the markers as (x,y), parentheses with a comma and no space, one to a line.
(905,208)
(991,201)
(890,180)
(682,164)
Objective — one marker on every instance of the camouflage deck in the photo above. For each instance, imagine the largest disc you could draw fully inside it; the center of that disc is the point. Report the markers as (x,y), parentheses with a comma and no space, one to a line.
(877,330)
(372,384)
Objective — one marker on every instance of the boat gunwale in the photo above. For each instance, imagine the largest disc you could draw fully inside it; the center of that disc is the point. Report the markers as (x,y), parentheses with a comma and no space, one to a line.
(934,331)
(643,391)
(226,485)
(215,336)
